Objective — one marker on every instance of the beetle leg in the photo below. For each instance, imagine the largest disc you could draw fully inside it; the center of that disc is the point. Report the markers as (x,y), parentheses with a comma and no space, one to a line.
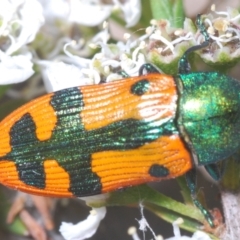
(191,182)
(148,68)
(124,74)
(184,66)
(215,171)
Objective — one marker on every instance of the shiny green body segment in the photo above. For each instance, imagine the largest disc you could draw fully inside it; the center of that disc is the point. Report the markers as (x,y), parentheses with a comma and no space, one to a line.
(209,113)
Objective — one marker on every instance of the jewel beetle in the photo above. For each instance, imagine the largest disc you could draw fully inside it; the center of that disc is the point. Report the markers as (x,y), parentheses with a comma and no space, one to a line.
(89,140)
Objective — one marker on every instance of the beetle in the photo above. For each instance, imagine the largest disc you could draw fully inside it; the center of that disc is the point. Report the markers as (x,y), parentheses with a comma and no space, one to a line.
(90,140)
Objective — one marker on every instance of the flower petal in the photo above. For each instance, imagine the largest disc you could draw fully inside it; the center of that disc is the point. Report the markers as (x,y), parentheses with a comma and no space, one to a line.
(131,10)
(55,9)
(31,19)
(58,76)
(89,14)
(84,229)
(15,69)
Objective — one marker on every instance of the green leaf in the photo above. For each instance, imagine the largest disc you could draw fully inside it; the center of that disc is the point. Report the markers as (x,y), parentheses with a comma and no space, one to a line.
(171,10)
(178,13)
(185,190)
(145,194)
(161,9)
(161,205)
(146,15)
(188,224)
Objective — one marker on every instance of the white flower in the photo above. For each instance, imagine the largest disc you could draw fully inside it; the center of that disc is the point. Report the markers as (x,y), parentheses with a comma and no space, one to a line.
(225,24)
(31,19)
(198,235)
(131,10)
(74,71)
(132,65)
(84,229)
(15,69)
(127,55)
(143,226)
(90,12)
(58,76)
(21,21)
(7,11)
(103,36)
(55,9)
(170,45)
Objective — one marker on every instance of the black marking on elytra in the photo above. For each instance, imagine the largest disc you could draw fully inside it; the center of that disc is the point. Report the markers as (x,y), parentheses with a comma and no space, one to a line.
(23,131)
(157,170)
(72,146)
(140,87)
(23,139)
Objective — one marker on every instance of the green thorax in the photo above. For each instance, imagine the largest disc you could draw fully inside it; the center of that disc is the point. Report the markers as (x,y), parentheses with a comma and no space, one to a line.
(209,114)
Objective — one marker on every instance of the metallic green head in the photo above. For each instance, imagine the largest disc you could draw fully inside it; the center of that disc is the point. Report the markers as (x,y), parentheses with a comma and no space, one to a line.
(209,114)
